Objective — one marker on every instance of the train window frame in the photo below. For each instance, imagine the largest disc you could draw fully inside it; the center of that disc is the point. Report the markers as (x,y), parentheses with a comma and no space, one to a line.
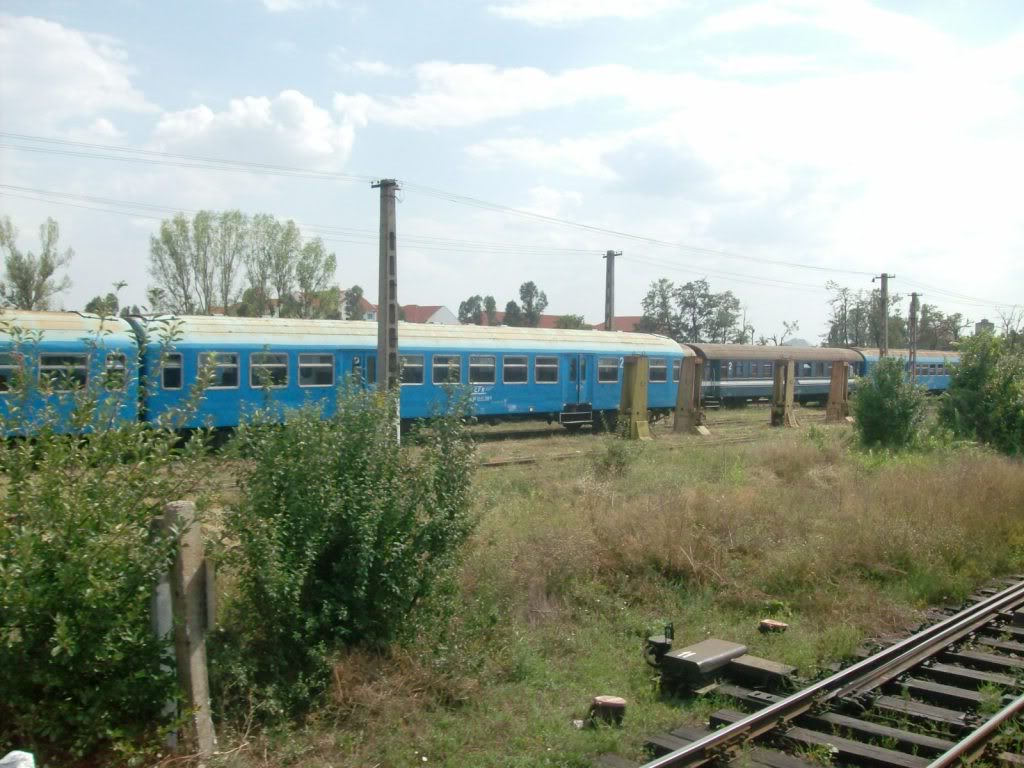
(657,364)
(543,365)
(115,362)
(445,362)
(325,362)
(506,365)
(475,366)
(44,368)
(254,366)
(406,362)
(219,366)
(677,371)
(17,361)
(605,364)
(172,361)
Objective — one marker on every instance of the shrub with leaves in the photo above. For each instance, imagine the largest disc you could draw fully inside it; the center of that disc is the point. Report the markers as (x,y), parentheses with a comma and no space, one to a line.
(82,673)
(339,534)
(985,399)
(888,409)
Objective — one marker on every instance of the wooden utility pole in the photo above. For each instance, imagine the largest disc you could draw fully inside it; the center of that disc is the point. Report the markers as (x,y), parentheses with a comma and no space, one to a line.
(913,336)
(884,343)
(609,290)
(387,292)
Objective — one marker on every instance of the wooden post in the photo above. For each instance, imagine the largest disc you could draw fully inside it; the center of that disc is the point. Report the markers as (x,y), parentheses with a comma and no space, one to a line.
(838,407)
(690,416)
(782,394)
(189,587)
(633,403)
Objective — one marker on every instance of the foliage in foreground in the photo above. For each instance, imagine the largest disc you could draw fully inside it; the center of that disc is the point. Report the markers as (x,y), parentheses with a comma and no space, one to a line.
(888,408)
(985,400)
(79,557)
(337,536)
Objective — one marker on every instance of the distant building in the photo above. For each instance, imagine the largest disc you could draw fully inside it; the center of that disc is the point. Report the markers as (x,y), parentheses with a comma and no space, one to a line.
(984,326)
(434,314)
(627,323)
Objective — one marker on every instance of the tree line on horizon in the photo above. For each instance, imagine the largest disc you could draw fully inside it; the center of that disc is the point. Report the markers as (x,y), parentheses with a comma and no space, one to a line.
(257,265)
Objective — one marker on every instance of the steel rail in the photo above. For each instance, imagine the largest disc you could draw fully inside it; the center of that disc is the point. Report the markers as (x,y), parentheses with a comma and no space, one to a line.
(974,744)
(868,673)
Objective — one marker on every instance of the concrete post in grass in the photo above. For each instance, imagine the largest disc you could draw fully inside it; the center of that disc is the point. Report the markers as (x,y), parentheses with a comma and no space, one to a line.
(783,394)
(838,407)
(689,416)
(191,590)
(633,403)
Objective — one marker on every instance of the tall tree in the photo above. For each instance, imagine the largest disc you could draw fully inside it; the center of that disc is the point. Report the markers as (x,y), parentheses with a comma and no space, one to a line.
(471,311)
(314,272)
(723,326)
(229,245)
(264,233)
(570,322)
(659,315)
(103,305)
(284,257)
(513,315)
(491,309)
(697,307)
(534,302)
(30,280)
(353,303)
(172,263)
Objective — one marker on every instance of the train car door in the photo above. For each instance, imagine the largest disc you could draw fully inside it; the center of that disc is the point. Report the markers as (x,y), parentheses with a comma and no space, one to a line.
(581,379)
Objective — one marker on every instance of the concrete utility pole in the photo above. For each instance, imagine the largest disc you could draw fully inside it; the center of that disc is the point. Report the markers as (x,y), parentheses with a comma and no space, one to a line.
(387,292)
(609,290)
(884,348)
(913,336)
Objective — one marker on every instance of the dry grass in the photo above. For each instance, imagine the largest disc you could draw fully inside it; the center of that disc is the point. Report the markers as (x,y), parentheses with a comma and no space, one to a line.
(570,568)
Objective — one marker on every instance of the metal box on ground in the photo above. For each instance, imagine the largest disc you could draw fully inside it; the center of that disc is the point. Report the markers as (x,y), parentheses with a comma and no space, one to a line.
(694,665)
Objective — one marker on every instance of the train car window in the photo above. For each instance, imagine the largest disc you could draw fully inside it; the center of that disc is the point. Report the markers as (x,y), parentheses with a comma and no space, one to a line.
(677,366)
(411,367)
(170,371)
(114,376)
(63,373)
(268,369)
(607,370)
(9,365)
(446,369)
(224,366)
(316,370)
(769,370)
(545,369)
(515,369)
(657,370)
(371,370)
(482,369)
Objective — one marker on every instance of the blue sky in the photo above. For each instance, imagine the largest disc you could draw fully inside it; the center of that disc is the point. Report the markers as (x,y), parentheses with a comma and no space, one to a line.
(779,143)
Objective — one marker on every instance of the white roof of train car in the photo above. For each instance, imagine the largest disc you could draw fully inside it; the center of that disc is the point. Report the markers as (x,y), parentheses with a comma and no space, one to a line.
(65,326)
(212,330)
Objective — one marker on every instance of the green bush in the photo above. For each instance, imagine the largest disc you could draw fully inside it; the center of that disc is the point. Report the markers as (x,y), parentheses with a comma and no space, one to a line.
(985,399)
(888,409)
(82,673)
(338,535)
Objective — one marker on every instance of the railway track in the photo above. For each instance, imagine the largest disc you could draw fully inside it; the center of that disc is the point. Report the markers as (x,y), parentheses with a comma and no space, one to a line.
(937,698)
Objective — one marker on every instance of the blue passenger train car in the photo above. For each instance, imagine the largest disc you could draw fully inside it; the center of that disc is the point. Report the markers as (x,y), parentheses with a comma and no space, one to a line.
(933,366)
(566,375)
(47,359)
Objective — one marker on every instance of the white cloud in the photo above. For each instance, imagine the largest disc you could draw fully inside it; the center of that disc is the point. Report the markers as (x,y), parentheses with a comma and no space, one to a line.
(580,157)
(289,128)
(456,95)
(56,78)
(554,12)
(279,6)
(377,68)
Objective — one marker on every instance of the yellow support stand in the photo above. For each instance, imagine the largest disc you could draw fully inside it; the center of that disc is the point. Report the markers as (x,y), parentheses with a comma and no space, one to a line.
(689,415)
(782,394)
(633,404)
(838,407)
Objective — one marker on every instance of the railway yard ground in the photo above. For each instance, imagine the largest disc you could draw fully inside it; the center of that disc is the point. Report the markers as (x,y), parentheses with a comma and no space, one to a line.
(587,544)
